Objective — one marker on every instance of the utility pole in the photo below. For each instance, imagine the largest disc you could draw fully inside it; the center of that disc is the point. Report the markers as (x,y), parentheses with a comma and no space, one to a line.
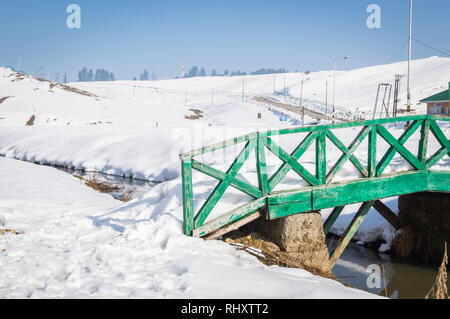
(408,105)
(334,83)
(284,90)
(273,85)
(18,65)
(303,108)
(326,98)
(243,92)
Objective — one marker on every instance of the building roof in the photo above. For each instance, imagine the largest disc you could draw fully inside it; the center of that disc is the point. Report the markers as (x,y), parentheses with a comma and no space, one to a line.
(442,96)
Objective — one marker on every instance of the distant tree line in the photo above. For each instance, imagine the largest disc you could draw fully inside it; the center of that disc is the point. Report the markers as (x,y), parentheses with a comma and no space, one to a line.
(85,75)
(195,72)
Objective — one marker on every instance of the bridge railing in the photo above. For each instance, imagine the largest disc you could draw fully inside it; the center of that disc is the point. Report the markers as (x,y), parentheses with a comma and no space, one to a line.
(306,198)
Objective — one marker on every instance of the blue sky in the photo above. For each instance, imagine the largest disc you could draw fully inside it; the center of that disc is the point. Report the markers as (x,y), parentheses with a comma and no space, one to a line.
(127,37)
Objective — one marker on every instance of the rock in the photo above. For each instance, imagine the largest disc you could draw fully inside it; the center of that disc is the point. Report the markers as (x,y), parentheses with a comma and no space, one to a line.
(424,221)
(301,236)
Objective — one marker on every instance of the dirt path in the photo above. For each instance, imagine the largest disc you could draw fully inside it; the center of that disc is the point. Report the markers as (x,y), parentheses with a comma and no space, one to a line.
(295,109)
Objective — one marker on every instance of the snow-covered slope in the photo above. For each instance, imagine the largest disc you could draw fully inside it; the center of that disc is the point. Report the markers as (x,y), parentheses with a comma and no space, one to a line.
(138,129)
(74,242)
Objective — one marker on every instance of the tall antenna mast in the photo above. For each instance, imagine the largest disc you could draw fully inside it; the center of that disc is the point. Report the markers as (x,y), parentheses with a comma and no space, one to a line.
(408,105)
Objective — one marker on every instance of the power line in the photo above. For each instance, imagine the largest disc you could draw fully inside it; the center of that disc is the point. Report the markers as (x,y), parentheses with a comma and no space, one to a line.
(430,47)
(398,52)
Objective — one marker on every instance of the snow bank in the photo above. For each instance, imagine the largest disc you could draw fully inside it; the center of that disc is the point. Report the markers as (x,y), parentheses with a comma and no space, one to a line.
(77,243)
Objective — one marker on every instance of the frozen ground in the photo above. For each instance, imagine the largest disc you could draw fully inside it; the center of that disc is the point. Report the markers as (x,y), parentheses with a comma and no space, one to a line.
(137,129)
(74,242)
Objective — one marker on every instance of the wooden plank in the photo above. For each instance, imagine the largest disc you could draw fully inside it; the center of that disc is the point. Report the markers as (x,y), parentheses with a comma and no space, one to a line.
(188,197)
(261,166)
(296,154)
(345,125)
(372,152)
(348,192)
(218,146)
(350,232)
(439,181)
(234,226)
(332,219)
(387,213)
(236,183)
(440,136)
(436,157)
(386,159)
(352,148)
(344,149)
(403,151)
(423,143)
(296,166)
(321,160)
(230,217)
(362,190)
(220,189)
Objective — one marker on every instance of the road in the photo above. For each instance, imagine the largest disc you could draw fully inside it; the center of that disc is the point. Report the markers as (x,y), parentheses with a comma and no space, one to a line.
(296,109)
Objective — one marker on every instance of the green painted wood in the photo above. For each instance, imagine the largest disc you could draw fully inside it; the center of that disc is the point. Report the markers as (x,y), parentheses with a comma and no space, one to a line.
(436,157)
(372,152)
(321,161)
(261,166)
(403,151)
(350,232)
(345,150)
(423,143)
(221,176)
(438,182)
(319,195)
(345,125)
(218,146)
(188,197)
(386,159)
(296,154)
(231,217)
(223,185)
(332,219)
(292,162)
(440,136)
(351,192)
(346,156)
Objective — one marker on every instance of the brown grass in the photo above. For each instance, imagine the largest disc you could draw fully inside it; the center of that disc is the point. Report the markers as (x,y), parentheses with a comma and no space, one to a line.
(3,99)
(127,196)
(439,289)
(31,120)
(403,243)
(270,253)
(12,231)
(197,115)
(96,183)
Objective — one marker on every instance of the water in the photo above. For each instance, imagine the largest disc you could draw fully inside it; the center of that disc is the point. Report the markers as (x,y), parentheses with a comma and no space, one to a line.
(404,279)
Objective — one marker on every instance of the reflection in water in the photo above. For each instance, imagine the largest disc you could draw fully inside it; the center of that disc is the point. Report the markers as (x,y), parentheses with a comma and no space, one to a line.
(404,280)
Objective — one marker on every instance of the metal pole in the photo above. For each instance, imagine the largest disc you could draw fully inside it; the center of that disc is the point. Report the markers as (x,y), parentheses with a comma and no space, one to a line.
(334,86)
(303,108)
(408,105)
(326,98)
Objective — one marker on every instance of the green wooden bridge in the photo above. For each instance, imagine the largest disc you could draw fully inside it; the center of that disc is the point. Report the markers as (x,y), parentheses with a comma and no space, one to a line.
(321,192)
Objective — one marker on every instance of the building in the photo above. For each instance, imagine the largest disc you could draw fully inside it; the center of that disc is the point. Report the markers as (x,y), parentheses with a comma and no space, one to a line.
(439,103)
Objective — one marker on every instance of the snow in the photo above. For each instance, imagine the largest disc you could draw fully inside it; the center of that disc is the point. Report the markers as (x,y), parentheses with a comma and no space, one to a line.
(74,242)
(87,244)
